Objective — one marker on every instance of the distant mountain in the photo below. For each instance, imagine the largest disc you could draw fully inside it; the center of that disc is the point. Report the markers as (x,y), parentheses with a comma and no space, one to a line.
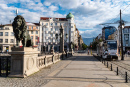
(87,41)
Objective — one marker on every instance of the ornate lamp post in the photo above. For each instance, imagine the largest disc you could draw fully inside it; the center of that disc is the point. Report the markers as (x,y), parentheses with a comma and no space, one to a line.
(56,38)
(66,41)
(61,39)
(121,26)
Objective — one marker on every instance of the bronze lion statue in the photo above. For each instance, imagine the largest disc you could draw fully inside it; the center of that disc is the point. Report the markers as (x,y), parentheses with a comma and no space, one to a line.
(20,31)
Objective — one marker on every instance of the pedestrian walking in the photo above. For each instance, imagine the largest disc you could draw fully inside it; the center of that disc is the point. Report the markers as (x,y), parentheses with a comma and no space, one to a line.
(128,52)
(88,52)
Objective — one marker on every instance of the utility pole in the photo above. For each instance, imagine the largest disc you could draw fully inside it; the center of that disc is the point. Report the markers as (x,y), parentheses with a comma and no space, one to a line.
(122,56)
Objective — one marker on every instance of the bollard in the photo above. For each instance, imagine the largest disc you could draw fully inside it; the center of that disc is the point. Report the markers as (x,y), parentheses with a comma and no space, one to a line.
(111,67)
(126,79)
(104,61)
(107,64)
(117,71)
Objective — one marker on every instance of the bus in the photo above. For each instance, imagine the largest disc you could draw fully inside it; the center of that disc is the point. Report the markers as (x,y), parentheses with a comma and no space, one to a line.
(107,50)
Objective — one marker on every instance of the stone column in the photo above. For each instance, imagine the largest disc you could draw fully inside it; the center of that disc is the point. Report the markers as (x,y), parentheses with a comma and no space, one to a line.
(61,39)
(62,42)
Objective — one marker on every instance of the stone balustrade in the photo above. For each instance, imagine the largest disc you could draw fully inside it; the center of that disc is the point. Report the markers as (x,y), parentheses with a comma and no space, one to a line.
(25,61)
(46,60)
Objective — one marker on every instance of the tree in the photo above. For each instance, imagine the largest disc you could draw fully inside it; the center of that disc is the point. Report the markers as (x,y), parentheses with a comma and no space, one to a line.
(84,46)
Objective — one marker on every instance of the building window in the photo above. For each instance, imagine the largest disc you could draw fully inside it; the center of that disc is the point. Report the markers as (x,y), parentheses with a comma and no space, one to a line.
(32,27)
(42,23)
(51,29)
(36,32)
(28,32)
(36,43)
(46,23)
(11,40)
(1,33)
(36,27)
(1,40)
(6,28)
(6,40)
(51,35)
(42,28)
(36,37)
(31,37)
(12,33)
(126,35)
(6,33)
(51,24)
(31,32)
(55,24)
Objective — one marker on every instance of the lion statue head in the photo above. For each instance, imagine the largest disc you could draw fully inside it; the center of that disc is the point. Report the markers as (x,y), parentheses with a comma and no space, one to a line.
(19,27)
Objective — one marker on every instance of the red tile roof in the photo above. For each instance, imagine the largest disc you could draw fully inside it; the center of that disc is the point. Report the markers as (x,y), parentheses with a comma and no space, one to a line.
(6,25)
(44,18)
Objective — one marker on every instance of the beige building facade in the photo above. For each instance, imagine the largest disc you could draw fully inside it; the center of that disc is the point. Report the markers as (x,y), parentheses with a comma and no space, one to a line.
(6,37)
(33,30)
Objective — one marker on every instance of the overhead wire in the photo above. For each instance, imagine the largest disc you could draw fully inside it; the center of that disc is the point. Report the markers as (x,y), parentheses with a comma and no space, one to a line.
(118,15)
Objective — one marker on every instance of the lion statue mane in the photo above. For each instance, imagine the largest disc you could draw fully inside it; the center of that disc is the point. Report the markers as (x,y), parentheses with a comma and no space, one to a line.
(20,31)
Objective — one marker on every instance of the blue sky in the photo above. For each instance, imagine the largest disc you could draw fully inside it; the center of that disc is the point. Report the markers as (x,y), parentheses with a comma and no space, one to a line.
(88,14)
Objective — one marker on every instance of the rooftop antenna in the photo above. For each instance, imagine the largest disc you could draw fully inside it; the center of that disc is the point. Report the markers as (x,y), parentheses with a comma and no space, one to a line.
(16,12)
(10,21)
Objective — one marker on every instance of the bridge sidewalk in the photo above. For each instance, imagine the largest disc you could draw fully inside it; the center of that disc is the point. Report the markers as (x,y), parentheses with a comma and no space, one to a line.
(84,71)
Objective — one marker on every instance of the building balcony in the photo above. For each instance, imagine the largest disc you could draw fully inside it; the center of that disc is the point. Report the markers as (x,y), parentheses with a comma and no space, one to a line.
(126,38)
(53,35)
(51,31)
(46,32)
(56,31)
(46,37)
(126,45)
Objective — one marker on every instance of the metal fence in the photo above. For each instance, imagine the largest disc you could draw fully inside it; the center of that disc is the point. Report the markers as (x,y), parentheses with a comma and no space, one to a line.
(5,64)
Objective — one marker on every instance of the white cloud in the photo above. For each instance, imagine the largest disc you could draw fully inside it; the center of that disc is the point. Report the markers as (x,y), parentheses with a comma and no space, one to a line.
(53,8)
(88,14)
(47,3)
(90,33)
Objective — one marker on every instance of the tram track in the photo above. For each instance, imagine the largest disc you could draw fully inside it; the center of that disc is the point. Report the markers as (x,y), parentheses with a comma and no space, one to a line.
(122,65)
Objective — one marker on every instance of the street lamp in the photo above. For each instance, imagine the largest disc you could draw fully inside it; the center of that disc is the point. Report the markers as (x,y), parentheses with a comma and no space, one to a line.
(56,38)
(60,35)
(66,37)
(66,41)
(122,55)
(121,26)
(44,26)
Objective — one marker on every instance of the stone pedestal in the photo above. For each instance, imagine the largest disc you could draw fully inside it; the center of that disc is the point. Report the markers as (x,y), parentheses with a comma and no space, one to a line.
(63,55)
(23,61)
(52,51)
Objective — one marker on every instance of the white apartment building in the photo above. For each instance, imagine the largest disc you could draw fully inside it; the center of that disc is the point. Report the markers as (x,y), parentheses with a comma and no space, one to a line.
(50,26)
